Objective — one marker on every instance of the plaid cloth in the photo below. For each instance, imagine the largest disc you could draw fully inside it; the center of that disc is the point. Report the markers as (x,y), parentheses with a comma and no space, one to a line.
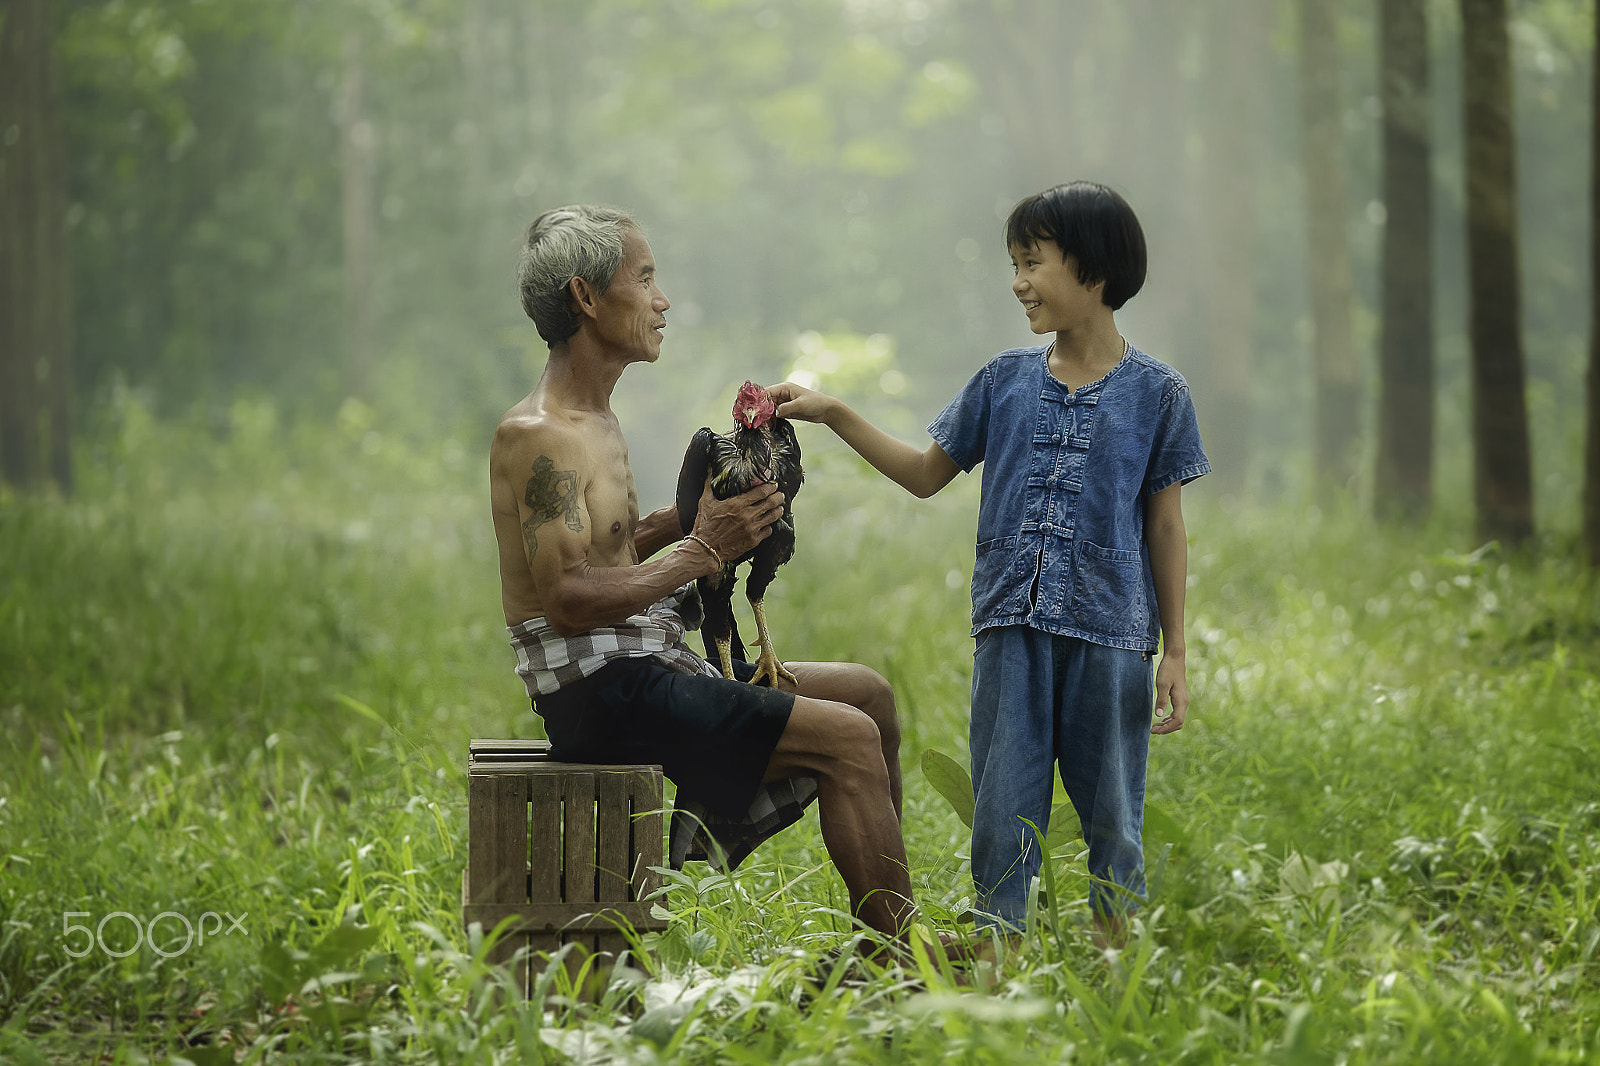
(546,661)
(698,834)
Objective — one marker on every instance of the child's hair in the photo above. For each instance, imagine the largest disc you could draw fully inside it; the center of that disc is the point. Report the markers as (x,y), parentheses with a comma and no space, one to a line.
(1094,225)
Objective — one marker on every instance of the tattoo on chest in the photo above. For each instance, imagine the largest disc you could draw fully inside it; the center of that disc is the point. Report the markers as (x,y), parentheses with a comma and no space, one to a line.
(551,494)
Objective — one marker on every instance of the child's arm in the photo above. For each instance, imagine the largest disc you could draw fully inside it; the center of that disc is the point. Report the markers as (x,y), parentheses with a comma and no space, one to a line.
(920,473)
(1169,566)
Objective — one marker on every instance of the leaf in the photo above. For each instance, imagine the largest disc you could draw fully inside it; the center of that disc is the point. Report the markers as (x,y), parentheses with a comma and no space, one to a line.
(343,947)
(281,969)
(701,941)
(660,1024)
(1064,827)
(1303,877)
(361,708)
(1043,891)
(202,1055)
(1160,827)
(317,984)
(951,780)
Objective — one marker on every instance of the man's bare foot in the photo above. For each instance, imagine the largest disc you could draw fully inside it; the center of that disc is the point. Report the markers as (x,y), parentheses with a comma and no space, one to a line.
(963,949)
(922,948)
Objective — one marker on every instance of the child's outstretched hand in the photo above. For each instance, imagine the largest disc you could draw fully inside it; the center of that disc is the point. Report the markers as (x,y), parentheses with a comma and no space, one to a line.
(1172,696)
(796,401)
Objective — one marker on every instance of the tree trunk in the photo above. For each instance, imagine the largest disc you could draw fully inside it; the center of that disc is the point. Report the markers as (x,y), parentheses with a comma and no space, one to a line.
(1591,457)
(18,200)
(1170,311)
(1502,469)
(1333,349)
(1036,58)
(56,280)
(1233,119)
(1403,486)
(356,144)
(35,377)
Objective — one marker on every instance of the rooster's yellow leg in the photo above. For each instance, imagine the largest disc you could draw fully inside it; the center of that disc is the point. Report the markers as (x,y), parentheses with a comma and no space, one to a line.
(767,665)
(725,654)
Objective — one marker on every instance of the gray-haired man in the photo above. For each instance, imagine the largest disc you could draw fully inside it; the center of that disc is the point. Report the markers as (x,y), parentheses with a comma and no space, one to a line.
(592,591)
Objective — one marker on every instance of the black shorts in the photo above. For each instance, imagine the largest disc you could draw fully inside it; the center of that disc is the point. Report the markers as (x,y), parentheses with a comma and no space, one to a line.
(713,737)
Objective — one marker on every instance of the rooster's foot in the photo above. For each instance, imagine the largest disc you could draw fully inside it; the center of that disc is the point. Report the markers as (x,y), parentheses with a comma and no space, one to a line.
(725,654)
(768,666)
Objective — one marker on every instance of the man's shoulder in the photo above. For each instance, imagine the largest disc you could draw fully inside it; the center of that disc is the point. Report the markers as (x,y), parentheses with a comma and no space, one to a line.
(531,427)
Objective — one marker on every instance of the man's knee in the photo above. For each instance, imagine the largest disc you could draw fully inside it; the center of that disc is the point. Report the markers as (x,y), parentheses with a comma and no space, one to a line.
(876,700)
(854,730)
(841,735)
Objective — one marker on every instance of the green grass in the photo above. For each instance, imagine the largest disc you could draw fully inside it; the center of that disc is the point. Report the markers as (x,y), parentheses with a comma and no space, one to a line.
(239,671)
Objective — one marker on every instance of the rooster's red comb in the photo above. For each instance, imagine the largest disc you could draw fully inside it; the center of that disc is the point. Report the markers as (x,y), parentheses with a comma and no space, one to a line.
(753,406)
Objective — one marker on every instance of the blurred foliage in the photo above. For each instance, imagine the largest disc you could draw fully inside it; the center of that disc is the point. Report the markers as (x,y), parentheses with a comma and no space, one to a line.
(818,166)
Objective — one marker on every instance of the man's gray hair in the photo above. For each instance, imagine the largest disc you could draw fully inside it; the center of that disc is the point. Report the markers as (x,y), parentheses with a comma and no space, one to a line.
(576,241)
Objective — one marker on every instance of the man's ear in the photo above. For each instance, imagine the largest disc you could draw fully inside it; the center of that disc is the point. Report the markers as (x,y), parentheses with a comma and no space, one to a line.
(584,297)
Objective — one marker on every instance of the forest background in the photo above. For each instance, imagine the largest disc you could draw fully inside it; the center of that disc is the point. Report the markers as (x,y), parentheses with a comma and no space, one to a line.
(309,203)
(258,272)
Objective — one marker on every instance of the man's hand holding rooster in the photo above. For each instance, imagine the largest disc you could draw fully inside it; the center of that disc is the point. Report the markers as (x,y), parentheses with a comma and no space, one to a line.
(737,524)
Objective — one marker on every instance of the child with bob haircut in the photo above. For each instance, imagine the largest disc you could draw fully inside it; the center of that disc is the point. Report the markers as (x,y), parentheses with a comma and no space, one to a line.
(1082,555)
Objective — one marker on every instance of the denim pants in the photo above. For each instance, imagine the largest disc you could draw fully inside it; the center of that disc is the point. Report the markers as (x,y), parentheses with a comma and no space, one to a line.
(1039,699)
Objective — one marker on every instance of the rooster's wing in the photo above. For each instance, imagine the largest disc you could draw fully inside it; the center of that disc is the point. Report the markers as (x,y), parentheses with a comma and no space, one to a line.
(692,475)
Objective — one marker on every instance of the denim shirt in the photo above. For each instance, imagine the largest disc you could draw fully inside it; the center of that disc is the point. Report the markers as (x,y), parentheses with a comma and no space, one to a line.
(1065,476)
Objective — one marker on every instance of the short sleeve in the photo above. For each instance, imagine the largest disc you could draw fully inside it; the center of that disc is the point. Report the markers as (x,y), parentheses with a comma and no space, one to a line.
(1176,456)
(962,428)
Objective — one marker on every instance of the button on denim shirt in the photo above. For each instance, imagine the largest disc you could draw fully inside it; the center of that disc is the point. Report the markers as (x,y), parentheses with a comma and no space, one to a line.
(1065,476)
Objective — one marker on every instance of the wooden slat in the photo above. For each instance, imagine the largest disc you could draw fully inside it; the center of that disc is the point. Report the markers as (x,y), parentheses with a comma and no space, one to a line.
(497,828)
(529,757)
(613,836)
(577,850)
(490,750)
(538,767)
(565,917)
(544,837)
(647,830)
(544,863)
(610,947)
(577,837)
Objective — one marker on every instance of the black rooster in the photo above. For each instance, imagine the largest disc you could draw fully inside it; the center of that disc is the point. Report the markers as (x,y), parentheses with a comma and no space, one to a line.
(761,448)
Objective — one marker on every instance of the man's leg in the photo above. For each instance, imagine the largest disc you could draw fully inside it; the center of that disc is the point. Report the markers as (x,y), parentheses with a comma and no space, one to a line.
(866,690)
(840,746)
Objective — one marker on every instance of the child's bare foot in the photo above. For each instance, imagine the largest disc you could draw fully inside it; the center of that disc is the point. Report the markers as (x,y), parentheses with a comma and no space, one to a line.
(1109,931)
(993,948)
(921,952)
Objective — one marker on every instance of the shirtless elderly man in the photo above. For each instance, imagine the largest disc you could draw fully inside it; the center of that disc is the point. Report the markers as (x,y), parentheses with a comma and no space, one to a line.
(592,591)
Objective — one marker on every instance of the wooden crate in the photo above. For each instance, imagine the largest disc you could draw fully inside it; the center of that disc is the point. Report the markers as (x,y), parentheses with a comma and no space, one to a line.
(564,848)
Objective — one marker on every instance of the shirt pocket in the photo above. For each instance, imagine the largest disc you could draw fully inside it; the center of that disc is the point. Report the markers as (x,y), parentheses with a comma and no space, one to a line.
(993,584)
(1108,596)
